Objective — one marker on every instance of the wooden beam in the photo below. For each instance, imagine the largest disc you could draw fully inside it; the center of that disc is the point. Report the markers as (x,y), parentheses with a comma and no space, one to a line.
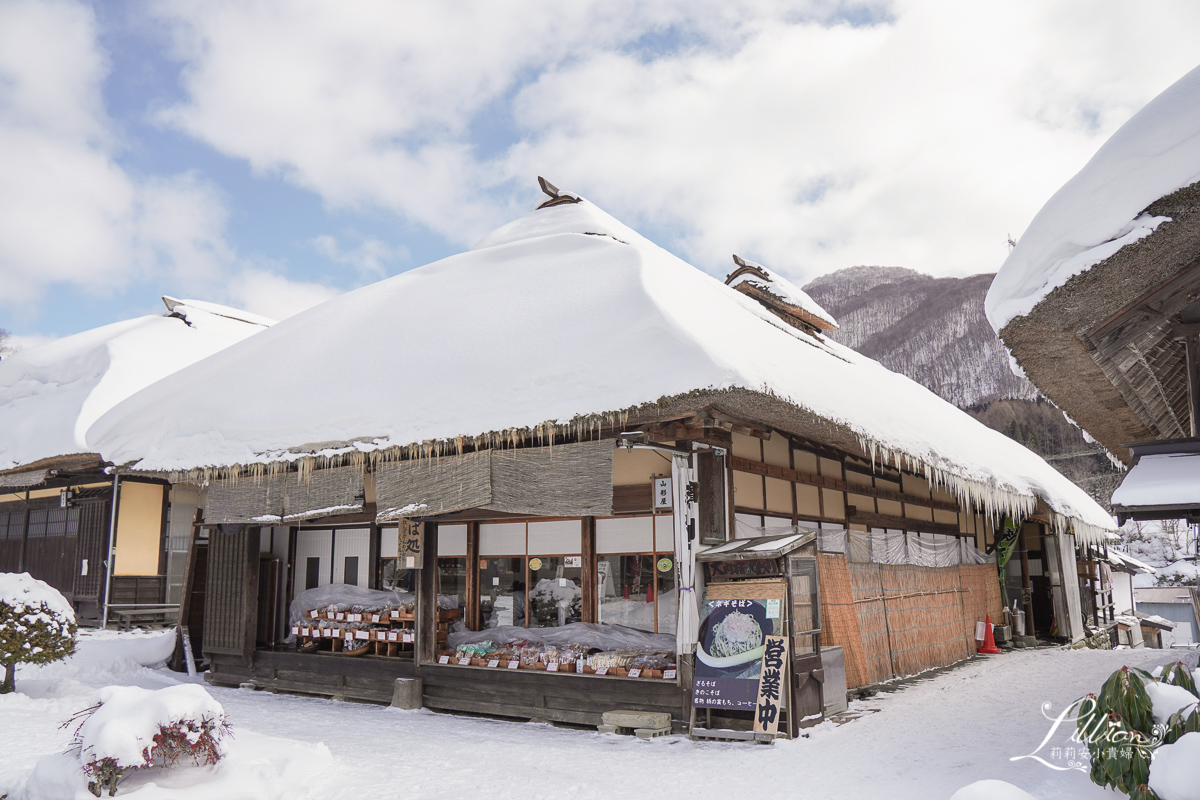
(796,476)
(853,515)
(472,589)
(426,622)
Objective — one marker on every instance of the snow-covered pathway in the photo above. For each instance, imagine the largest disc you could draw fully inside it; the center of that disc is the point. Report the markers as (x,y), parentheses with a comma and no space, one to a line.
(925,741)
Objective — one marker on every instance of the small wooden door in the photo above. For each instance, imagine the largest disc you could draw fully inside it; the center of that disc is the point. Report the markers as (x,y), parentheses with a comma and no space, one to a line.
(269,571)
(807,673)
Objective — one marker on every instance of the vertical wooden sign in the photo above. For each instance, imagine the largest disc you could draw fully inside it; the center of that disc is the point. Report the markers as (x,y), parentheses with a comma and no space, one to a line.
(411,535)
(772,683)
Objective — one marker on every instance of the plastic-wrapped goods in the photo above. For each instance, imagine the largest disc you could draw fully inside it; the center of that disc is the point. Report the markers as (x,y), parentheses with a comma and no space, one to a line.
(476,649)
(344,597)
(653,661)
(610,659)
(592,635)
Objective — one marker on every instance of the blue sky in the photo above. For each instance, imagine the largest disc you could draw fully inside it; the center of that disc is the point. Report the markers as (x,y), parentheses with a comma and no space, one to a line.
(269,154)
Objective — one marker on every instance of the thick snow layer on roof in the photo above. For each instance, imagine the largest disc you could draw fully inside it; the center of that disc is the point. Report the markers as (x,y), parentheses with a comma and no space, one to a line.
(544,323)
(50,395)
(1161,479)
(1099,211)
(786,291)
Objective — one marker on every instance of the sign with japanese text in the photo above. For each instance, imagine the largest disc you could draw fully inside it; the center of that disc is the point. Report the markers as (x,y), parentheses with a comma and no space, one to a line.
(770,685)
(662,493)
(411,534)
(729,652)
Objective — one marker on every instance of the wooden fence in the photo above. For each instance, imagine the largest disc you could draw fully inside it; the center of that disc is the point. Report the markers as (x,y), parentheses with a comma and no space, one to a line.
(893,621)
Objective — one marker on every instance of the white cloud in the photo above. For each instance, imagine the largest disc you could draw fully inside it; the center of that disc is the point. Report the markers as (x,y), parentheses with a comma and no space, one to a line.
(921,143)
(378,103)
(270,294)
(369,259)
(762,128)
(70,214)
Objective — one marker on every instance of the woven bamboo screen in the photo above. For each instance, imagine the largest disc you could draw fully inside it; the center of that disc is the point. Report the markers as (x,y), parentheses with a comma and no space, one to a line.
(568,480)
(897,620)
(287,498)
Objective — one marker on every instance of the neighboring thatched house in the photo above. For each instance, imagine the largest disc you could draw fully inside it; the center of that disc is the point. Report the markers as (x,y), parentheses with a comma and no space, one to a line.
(56,506)
(543,444)
(1099,304)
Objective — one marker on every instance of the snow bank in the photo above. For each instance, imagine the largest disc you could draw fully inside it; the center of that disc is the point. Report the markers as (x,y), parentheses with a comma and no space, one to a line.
(1168,699)
(1175,770)
(50,395)
(258,767)
(124,726)
(991,790)
(100,649)
(569,315)
(1098,212)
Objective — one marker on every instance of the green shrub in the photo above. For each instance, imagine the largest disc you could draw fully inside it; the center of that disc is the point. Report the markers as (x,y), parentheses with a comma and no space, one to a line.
(37,625)
(1118,725)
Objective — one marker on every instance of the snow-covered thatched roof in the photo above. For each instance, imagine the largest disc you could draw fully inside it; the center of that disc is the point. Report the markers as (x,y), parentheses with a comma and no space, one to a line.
(553,322)
(1100,210)
(51,394)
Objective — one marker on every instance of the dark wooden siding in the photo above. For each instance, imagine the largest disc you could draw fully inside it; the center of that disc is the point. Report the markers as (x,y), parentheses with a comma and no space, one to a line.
(94,519)
(231,593)
(579,699)
(138,589)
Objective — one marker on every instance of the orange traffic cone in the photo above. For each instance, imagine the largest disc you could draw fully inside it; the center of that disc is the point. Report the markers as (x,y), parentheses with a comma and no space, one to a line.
(989,642)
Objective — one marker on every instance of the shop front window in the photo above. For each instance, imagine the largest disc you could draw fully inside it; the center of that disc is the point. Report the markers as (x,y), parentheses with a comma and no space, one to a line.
(502,594)
(635,573)
(452,584)
(556,597)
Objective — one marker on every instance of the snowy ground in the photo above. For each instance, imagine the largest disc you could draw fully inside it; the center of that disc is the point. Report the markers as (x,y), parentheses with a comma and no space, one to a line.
(924,741)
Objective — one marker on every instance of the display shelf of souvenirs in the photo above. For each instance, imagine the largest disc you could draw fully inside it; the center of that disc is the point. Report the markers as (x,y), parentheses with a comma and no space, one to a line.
(575,659)
(354,629)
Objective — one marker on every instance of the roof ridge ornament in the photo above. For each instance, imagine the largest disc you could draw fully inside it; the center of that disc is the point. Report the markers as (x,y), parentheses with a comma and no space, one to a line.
(744,266)
(557,198)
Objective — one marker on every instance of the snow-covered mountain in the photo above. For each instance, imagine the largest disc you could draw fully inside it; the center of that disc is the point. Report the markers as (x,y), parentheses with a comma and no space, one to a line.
(931,329)
(934,331)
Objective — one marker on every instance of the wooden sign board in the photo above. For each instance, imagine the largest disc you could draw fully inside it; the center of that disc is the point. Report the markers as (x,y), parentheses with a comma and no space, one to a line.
(662,494)
(771,685)
(411,536)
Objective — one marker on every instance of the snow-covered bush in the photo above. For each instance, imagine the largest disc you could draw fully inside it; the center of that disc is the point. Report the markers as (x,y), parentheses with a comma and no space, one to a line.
(133,728)
(1134,715)
(37,625)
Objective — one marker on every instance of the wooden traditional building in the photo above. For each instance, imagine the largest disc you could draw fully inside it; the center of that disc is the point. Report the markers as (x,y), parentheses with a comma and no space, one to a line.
(1099,305)
(61,510)
(576,453)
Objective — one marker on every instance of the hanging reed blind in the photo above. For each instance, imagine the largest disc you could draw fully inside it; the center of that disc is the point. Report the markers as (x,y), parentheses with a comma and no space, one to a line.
(286,498)
(569,480)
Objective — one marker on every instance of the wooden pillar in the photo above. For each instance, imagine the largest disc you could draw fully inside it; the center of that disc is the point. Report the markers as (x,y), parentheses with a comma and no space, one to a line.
(374,573)
(185,600)
(472,602)
(710,477)
(588,580)
(24,536)
(427,597)
(1026,583)
(290,592)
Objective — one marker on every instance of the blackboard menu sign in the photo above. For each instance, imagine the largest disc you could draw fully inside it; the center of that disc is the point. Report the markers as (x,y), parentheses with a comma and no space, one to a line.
(729,654)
